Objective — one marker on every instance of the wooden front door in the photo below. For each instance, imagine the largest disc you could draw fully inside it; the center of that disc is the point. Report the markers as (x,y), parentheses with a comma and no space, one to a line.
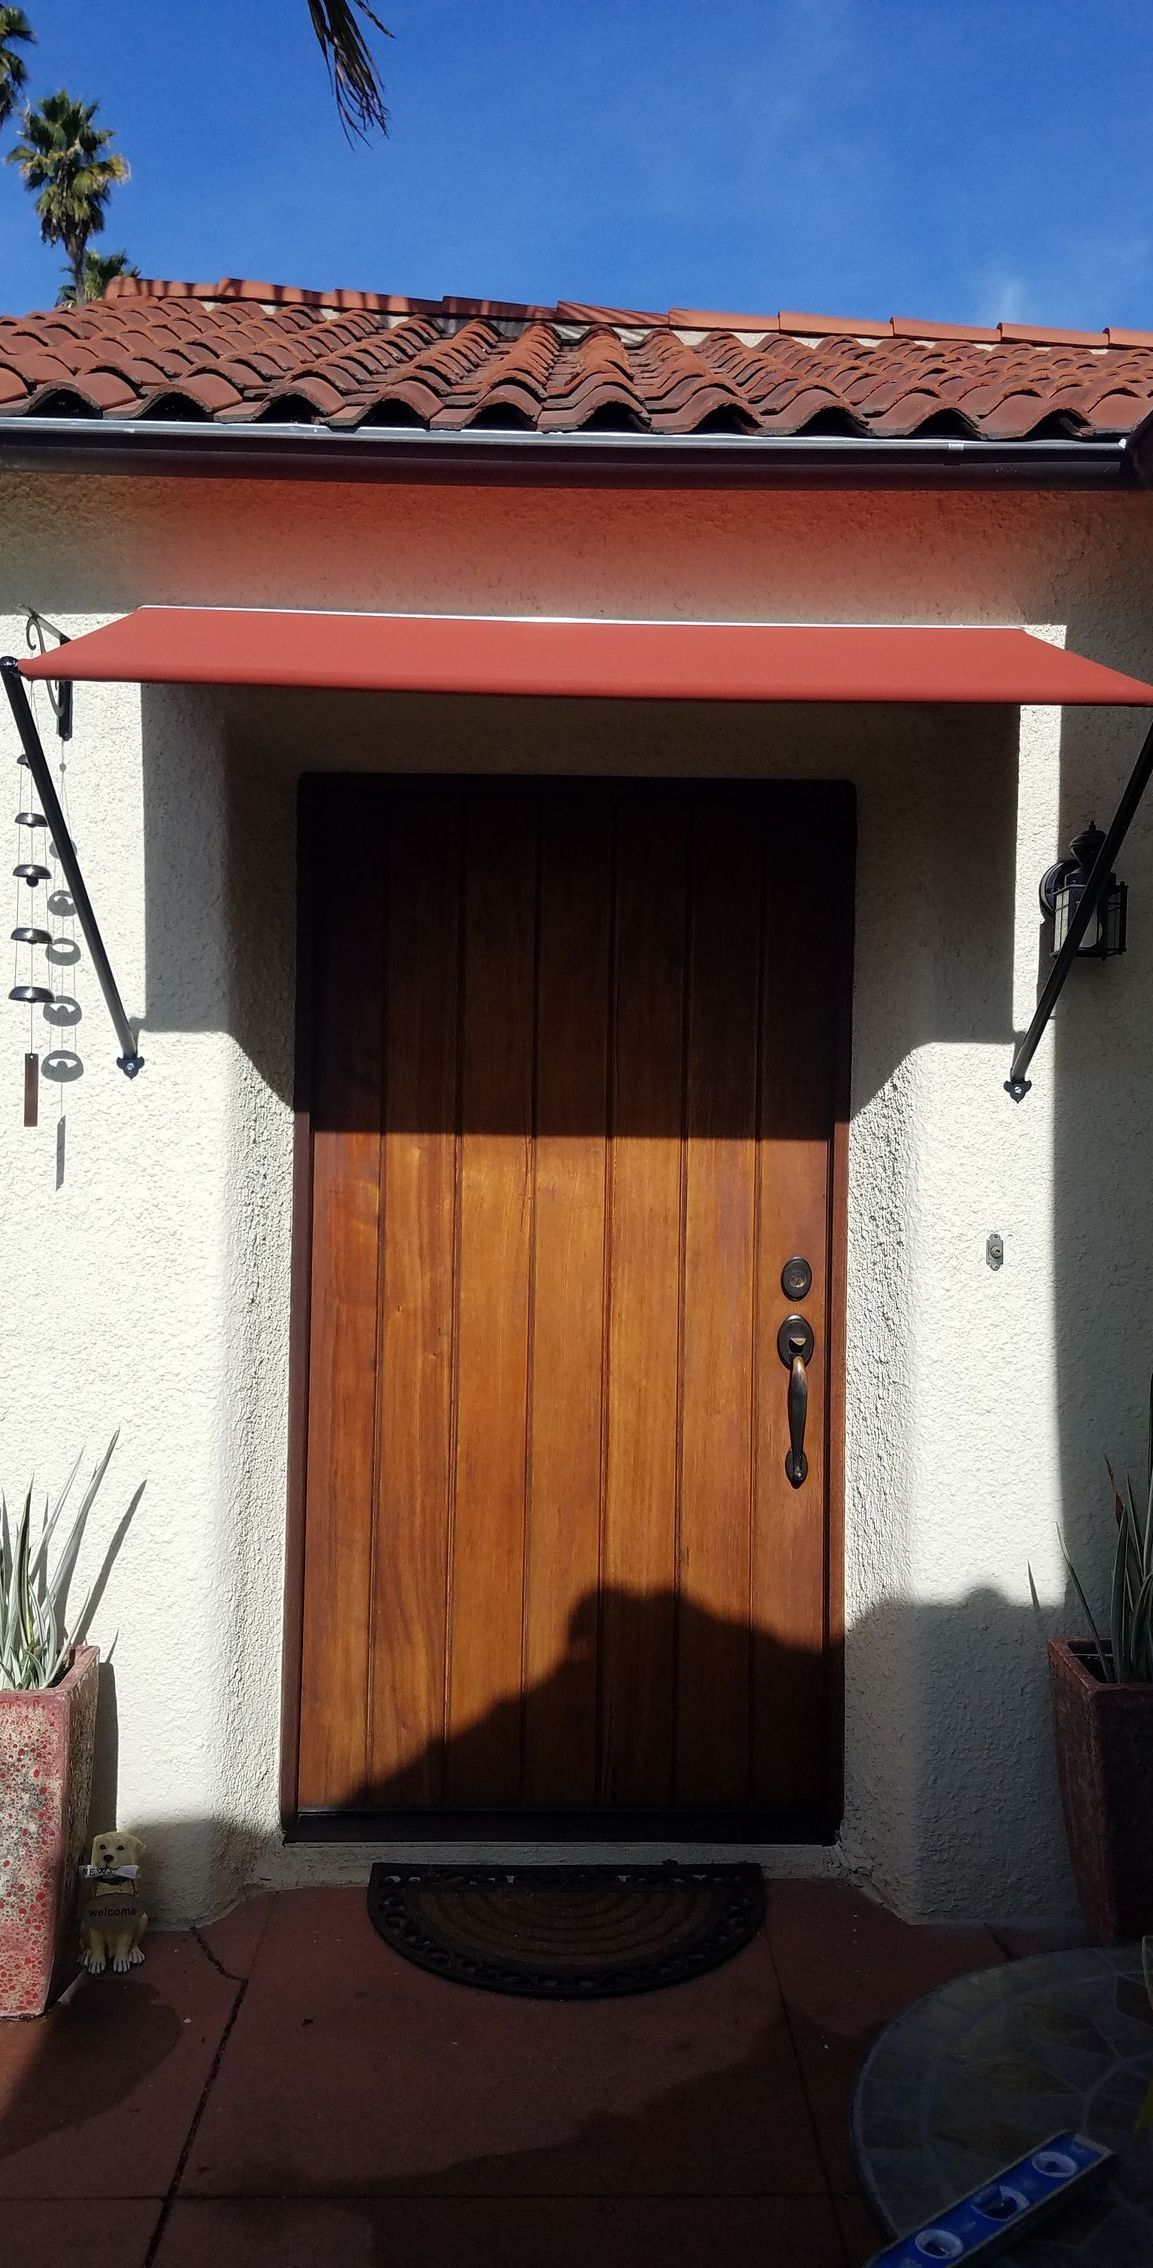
(573,1069)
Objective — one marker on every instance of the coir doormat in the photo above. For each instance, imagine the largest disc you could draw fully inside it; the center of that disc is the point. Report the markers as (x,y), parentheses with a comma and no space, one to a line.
(567,1932)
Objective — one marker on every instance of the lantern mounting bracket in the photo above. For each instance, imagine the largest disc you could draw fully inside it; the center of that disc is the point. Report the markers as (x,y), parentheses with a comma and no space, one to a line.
(1054,879)
(1017,1085)
(130,1060)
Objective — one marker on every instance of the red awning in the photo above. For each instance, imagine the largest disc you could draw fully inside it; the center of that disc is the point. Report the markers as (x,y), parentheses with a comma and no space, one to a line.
(662,661)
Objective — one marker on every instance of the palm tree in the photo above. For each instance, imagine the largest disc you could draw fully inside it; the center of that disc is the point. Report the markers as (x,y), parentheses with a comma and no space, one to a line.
(352,69)
(67,160)
(15,32)
(100,269)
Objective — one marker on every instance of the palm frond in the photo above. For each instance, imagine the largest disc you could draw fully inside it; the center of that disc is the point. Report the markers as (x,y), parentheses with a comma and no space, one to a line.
(352,67)
(98,271)
(15,32)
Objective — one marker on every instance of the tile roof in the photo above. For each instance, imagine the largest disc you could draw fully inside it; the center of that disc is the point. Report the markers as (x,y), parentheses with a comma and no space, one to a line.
(241,351)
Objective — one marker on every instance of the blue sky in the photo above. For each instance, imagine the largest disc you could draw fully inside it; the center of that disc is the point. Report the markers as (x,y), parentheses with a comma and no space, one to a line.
(968,162)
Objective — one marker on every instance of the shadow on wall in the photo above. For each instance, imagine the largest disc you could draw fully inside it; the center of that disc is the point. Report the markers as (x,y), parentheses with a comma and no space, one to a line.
(1100,1069)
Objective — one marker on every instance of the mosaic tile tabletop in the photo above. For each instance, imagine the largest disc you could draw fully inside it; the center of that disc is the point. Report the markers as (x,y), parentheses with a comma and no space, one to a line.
(977,2074)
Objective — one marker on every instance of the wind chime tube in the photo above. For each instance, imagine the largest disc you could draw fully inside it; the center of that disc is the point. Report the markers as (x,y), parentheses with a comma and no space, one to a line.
(131,1061)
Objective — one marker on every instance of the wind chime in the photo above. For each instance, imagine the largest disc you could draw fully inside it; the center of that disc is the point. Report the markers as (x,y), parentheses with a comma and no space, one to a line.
(37,905)
(43,827)
(29,937)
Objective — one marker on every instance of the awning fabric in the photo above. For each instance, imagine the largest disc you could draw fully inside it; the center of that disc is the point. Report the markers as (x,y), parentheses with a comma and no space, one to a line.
(662,661)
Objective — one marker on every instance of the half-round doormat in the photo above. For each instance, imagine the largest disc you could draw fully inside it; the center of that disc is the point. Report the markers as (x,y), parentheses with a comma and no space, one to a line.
(980,2072)
(567,1932)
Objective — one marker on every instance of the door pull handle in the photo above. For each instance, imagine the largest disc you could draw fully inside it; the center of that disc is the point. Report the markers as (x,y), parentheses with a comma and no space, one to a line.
(795,1347)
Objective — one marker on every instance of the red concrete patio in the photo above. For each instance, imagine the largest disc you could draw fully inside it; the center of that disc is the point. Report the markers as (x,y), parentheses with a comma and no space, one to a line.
(282,2088)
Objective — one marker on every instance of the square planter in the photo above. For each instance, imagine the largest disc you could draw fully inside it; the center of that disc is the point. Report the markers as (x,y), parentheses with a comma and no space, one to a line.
(1105,1764)
(46,1750)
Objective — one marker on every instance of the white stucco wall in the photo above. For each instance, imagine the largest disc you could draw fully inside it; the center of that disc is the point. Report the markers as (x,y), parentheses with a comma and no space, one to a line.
(150,1288)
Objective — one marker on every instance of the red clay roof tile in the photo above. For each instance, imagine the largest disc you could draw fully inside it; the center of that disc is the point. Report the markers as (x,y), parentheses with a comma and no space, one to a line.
(1040,335)
(580,311)
(109,391)
(707,319)
(832,326)
(241,350)
(906,327)
(36,367)
(1118,412)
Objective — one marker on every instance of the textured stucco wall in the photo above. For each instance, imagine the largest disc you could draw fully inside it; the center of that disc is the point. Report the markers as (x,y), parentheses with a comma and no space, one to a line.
(150,1287)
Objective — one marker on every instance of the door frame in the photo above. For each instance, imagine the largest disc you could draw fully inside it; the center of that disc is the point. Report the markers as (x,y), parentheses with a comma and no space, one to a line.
(815,1825)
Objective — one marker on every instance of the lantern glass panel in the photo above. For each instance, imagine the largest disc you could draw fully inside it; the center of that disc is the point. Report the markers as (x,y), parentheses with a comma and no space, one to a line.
(1106,932)
(1062,914)
(1115,918)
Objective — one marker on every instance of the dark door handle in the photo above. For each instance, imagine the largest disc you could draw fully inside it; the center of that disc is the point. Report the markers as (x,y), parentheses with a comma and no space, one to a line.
(795,1348)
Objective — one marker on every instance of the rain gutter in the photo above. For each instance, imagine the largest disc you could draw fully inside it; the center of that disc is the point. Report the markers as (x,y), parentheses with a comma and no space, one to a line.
(400,453)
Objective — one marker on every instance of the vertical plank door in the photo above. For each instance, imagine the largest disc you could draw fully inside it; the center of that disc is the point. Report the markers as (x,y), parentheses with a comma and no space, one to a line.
(573,1069)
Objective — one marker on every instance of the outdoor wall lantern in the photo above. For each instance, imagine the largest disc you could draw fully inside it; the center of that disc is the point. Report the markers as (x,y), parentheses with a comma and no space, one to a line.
(1064,886)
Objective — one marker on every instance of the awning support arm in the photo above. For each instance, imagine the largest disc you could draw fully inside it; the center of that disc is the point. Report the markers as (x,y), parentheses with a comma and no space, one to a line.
(59,693)
(1017,1084)
(130,1061)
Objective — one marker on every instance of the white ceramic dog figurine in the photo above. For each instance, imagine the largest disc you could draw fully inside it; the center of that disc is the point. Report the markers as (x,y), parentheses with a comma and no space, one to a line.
(112,1923)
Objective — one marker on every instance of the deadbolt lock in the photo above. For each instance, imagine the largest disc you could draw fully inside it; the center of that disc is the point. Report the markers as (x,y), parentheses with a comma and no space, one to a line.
(796,1277)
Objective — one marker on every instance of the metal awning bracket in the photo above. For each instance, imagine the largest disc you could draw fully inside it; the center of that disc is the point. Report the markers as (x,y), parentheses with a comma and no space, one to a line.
(130,1060)
(60,690)
(1017,1085)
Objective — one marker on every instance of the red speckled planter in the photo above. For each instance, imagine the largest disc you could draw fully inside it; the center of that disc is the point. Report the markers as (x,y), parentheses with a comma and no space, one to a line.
(46,1744)
(1105,1765)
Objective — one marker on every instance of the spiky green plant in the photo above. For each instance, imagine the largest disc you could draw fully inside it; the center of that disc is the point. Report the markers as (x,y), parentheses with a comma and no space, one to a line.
(34,1643)
(67,162)
(1127,1658)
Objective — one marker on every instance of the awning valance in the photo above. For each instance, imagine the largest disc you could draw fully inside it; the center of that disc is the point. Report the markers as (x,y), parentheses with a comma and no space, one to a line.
(661,661)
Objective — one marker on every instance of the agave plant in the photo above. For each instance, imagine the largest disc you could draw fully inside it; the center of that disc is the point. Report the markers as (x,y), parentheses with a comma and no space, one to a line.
(1127,1658)
(34,1642)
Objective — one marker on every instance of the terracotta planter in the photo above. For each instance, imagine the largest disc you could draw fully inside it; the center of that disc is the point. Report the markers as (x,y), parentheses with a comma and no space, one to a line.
(46,1746)
(1105,1764)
